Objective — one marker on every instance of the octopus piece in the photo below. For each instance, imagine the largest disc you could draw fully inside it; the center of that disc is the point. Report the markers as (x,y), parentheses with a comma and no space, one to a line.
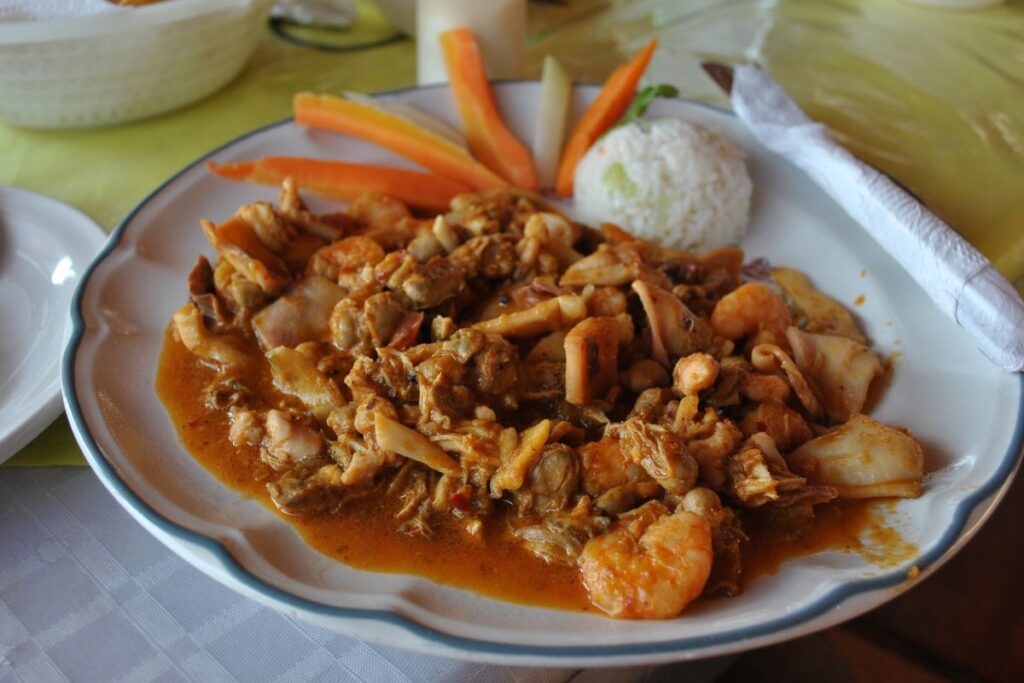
(841,369)
(863,458)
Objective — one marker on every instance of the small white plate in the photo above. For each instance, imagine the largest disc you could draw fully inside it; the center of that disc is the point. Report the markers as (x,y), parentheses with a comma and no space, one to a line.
(44,248)
(968,414)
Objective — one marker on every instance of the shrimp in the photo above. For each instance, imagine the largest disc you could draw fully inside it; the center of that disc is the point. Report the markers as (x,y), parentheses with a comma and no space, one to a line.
(645,569)
(752,307)
(341,261)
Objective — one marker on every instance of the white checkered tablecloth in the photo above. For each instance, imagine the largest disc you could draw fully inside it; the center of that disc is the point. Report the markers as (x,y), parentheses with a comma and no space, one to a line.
(86,594)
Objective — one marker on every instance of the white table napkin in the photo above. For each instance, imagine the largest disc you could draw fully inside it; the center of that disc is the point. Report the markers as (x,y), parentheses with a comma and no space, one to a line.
(958,278)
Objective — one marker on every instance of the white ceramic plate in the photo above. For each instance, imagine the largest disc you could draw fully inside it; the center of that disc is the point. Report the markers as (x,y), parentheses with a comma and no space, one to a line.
(966,412)
(45,246)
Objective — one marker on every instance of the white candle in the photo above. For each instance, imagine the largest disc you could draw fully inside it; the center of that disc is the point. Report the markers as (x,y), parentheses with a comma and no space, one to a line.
(499,27)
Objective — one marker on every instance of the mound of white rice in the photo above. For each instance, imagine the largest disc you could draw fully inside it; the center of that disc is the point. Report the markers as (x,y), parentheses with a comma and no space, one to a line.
(666,180)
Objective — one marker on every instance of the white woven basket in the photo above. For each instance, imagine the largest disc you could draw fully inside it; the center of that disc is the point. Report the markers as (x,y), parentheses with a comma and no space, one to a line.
(120,66)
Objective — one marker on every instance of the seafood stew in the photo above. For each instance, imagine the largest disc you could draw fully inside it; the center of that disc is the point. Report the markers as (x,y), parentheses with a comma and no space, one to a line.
(503,376)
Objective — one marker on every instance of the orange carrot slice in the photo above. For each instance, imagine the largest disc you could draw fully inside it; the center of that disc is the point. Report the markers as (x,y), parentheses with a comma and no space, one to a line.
(342,180)
(426,148)
(610,104)
(490,140)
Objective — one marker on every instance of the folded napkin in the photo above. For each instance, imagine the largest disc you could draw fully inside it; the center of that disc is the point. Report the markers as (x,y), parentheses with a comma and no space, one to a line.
(958,278)
(36,10)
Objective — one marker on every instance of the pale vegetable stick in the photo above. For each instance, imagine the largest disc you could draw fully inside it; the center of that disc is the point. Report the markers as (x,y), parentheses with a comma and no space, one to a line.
(555,90)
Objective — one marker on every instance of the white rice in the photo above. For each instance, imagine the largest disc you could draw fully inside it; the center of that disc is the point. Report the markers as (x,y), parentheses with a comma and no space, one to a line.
(666,180)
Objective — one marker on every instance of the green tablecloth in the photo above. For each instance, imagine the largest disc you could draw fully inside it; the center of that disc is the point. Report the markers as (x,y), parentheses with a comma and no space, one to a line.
(932,97)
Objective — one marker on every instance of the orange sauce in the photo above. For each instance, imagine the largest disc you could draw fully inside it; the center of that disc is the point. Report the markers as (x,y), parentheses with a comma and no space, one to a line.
(363,534)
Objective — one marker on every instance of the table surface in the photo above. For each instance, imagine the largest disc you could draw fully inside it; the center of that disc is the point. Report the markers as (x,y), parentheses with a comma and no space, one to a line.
(930,97)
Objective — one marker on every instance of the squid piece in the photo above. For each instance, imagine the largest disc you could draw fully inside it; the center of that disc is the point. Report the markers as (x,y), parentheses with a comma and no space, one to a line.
(221,350)
(238,243)
(591,359)
(824,315)
(606,266)
(547,316)
(675,329)
(863,459)
(512,473)
(770,358)
(301,315)
(394,436)
(445,234)
(297,375)
(841,369)
(550,349)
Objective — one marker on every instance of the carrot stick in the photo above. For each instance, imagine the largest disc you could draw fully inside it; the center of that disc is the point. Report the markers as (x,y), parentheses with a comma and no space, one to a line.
(490,140)
(426,148)
(610,104)
(346,181)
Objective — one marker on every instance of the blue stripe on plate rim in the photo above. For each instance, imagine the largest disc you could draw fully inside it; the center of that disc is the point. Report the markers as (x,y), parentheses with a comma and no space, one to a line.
(110,477)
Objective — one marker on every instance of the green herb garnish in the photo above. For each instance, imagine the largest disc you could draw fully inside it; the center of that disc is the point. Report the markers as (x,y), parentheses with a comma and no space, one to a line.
(642,100)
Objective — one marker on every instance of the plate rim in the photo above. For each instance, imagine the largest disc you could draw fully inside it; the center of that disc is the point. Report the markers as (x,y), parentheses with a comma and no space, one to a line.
(994,487)
(48,405)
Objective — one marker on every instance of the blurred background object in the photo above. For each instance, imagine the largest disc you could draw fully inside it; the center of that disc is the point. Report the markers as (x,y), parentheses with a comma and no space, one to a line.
(324,13)
(401,13)
(499,27)
(112,67)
